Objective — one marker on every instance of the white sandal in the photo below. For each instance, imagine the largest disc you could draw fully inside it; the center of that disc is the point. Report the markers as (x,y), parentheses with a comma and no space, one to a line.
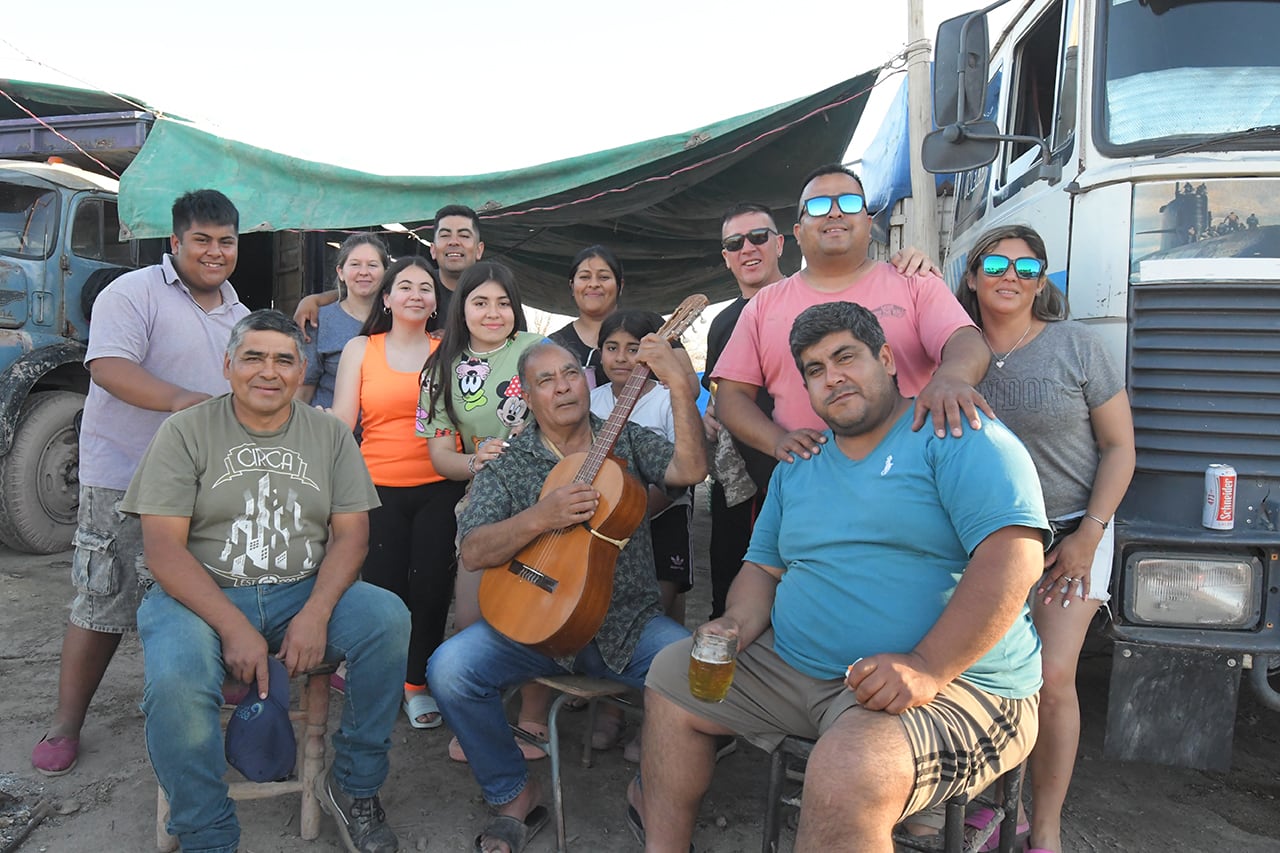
(421,704)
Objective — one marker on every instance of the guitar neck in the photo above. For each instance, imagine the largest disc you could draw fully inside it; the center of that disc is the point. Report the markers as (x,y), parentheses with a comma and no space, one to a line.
(608,435)
(671,330)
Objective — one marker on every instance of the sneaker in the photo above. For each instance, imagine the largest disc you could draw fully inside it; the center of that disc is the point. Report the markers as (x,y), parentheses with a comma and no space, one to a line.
(361,820)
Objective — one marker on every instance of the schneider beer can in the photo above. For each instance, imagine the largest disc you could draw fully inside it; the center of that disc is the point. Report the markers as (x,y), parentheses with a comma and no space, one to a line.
(1219,497)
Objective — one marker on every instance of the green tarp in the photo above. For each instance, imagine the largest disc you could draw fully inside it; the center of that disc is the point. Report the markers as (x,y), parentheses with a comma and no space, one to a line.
(655,203)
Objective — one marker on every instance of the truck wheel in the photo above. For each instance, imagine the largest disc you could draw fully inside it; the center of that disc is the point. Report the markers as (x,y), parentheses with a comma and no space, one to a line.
(39,478)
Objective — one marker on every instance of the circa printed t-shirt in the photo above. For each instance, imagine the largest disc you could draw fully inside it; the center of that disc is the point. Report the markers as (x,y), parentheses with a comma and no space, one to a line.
(919,315)
(486,396)
(1044,393)
(513,483)
(259,503)
(872,550)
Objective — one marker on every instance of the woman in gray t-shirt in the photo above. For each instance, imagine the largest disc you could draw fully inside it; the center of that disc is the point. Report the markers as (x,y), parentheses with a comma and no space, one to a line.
(362,260)
(1051,381)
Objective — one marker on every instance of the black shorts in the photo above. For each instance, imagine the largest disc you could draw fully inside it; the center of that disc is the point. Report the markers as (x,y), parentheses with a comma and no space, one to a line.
(673,546)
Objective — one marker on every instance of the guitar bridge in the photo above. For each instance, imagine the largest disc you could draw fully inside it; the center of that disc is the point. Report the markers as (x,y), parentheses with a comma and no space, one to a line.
(529,574)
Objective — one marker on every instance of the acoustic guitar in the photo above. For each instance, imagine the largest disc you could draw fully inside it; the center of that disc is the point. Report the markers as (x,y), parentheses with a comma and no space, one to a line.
(554,595)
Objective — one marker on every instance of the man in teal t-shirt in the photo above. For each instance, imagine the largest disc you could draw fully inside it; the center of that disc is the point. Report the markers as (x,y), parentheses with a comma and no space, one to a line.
(881,610)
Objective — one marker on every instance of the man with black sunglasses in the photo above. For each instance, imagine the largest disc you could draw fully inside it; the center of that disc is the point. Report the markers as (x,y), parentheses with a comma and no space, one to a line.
(752,249)
(941,355)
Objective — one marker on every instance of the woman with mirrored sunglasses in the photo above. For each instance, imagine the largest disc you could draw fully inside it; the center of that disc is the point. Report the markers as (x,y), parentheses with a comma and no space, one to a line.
(1054,385)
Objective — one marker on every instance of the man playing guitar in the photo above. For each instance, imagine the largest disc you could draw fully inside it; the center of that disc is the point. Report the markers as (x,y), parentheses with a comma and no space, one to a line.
(469,672)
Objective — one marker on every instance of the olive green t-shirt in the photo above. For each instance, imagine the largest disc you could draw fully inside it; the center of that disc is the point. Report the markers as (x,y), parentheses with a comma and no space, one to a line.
(259,503)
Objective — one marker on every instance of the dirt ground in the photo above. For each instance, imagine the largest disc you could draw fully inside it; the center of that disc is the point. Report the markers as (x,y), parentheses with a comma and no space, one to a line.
(108,802)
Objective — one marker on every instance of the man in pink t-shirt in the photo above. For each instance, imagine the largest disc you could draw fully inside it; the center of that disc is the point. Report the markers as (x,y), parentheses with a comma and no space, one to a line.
(939,352)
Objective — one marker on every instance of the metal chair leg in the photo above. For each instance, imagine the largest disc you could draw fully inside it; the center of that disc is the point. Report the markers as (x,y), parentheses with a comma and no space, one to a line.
(553,752)
(773,805)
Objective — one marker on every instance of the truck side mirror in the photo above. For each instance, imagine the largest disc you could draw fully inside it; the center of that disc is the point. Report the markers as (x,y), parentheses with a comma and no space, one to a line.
(959,148)
(960,69)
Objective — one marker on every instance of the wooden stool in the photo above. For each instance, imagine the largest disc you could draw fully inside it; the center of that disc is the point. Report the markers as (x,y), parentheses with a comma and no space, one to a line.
(792,755)
(313,710)
(571,687)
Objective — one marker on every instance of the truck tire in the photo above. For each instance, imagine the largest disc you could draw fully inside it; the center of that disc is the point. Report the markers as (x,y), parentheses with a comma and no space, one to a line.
(39,477)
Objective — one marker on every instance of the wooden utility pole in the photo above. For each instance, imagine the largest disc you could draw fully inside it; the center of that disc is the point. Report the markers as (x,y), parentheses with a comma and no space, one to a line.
(922,225)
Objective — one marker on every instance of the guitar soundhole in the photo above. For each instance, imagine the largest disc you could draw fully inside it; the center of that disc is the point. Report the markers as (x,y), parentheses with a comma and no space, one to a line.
(529,574)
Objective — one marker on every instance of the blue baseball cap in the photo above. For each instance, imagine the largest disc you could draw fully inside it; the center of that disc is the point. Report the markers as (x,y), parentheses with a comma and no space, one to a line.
(260,742)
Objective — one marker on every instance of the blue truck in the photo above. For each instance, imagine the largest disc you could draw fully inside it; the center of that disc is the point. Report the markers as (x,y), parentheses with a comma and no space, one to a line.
(59,245)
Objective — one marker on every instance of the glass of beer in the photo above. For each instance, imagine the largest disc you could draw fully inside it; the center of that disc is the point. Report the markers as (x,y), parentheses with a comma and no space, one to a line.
(711,665)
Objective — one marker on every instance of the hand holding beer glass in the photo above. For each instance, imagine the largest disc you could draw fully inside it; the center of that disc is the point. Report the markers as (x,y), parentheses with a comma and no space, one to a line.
(711,663)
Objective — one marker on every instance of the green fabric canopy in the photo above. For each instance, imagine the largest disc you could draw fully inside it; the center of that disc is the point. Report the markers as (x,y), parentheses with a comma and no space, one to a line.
(656,203)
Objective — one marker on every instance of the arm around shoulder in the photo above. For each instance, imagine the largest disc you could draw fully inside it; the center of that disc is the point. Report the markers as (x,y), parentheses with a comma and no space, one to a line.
(346,387)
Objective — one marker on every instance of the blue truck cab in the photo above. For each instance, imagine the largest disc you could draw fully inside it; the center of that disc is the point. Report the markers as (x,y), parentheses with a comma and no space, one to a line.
(59,245)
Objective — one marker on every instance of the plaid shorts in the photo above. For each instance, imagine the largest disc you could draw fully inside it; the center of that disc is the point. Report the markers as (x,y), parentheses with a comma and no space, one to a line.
(962,741)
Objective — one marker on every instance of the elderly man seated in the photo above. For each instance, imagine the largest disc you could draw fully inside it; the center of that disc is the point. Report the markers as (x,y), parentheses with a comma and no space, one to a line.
(468,673)
(881,609)
(255,523)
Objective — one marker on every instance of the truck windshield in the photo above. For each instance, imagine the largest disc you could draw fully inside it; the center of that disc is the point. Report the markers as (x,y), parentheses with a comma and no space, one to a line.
(27,220)
(1175,70)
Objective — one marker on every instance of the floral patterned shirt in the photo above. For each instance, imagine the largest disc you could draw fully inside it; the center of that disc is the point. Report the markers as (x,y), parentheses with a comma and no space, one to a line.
(513,483)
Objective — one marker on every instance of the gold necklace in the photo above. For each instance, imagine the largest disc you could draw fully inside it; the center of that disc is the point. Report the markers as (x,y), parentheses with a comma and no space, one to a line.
(1000,359)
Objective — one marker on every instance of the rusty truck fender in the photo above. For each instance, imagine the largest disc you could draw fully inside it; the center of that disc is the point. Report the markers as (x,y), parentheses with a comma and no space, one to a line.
(23,374)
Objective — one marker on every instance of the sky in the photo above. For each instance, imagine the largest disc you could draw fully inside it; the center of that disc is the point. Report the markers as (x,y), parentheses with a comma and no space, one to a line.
(449,88)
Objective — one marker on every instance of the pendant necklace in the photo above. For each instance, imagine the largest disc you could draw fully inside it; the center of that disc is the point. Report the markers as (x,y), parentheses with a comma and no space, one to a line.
(1000,359)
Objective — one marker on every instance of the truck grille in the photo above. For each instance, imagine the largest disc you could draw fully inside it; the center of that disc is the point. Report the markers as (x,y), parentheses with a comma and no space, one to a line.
(1204,376)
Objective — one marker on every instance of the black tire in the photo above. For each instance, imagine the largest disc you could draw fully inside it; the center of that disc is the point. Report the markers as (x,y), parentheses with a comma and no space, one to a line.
(95,284)
(39,477)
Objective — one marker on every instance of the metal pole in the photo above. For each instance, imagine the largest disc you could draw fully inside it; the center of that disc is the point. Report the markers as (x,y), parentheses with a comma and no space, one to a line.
(922,225)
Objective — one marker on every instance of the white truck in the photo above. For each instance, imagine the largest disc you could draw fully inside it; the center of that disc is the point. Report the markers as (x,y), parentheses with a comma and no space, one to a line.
(1141,139)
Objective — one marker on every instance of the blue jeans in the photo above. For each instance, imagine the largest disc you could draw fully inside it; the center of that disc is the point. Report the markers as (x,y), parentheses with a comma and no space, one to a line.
(184,672)
(470,671)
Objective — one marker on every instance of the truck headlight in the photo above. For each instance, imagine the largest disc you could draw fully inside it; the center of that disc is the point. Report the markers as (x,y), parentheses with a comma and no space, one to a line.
(1193,590)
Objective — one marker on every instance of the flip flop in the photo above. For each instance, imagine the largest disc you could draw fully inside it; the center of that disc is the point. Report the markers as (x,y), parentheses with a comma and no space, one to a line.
(634,823)
(421,704)
(981,819)
(528,750)
(515,833)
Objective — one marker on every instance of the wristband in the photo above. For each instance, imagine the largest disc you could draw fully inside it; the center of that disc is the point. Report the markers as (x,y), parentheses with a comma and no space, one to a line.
(471,466)
(1095,518)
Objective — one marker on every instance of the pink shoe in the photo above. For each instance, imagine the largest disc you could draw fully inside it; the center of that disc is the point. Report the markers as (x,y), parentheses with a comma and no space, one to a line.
(982,818)
(56,756)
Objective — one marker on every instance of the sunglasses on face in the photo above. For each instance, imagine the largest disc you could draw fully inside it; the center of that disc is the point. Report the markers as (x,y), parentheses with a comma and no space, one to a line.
(997,265)
(820,205)
(757,236)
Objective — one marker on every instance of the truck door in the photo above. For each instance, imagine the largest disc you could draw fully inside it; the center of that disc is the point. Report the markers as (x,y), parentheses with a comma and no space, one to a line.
(97,256)
(1043,82)
(28,237)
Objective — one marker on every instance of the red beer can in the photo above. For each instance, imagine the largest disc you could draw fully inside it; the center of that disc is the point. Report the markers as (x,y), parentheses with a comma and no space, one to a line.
(1219,497)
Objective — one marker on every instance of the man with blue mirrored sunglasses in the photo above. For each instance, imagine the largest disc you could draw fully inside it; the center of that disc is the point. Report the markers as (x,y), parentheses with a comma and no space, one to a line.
(940,354)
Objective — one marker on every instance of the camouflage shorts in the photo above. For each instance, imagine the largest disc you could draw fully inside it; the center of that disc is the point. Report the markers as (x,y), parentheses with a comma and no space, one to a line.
(107,569)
